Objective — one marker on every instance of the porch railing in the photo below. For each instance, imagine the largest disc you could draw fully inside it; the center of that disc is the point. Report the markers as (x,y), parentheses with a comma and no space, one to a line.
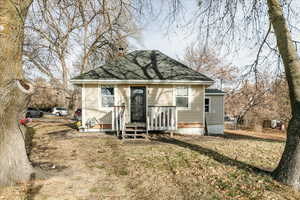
(118,119)
(162,118)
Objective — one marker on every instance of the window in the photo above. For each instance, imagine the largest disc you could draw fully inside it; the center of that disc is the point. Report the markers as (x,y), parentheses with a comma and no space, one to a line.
(108,98)
(207,102)
(182,97)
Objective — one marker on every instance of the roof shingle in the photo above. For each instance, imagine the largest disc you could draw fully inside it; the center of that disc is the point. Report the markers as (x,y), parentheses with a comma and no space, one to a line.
(143,65)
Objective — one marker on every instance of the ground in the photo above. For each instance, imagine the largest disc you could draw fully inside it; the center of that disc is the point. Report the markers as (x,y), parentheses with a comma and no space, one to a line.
(72,165)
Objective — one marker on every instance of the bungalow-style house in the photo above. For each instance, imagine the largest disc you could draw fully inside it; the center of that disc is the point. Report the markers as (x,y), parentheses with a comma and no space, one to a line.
(148,91)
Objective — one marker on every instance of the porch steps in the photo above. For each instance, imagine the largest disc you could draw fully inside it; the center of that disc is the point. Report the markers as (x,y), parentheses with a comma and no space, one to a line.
(134,131)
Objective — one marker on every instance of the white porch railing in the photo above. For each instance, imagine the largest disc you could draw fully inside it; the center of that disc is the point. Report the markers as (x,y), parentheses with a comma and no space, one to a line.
(118,119)
(162,118)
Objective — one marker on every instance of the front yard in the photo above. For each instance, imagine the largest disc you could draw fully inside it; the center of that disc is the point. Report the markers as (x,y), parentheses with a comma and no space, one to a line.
(72,165)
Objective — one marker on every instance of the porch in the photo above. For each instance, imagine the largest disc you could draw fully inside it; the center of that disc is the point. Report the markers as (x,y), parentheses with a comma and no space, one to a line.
(157,118)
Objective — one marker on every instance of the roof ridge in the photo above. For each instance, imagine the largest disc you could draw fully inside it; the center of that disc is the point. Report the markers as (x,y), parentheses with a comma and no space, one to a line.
(141,65)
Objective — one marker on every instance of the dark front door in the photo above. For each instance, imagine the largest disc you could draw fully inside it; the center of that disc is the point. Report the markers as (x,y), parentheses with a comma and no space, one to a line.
(138,104)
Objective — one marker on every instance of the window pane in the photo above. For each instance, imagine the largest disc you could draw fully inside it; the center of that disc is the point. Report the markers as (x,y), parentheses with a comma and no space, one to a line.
(206,101)
(182,102)
(206,105)
(107,91)
(182,91)
(138,91)
(107,101)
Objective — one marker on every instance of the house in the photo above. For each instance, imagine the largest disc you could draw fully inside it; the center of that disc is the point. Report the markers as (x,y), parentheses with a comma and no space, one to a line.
(147,91)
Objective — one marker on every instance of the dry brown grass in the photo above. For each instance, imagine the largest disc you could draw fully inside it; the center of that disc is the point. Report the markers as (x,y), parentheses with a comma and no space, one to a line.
(91,166)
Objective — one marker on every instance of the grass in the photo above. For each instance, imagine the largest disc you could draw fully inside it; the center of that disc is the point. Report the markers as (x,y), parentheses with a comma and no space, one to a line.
(199,168)
(234,166)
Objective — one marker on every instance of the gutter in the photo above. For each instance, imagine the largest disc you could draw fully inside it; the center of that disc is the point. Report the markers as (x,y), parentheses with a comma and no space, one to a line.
(183,82)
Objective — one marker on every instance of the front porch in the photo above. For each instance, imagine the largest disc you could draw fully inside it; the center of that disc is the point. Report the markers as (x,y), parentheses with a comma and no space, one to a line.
(158,118)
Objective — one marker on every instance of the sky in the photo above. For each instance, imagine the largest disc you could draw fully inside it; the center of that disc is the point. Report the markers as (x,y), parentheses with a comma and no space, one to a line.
(174,40)
(171,40)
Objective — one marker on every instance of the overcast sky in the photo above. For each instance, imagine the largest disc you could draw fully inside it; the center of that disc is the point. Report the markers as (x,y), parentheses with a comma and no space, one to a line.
(174,40)
(171,40)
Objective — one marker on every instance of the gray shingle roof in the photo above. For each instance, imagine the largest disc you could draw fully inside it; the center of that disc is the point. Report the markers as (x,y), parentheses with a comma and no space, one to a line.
(143,65)
(214,91)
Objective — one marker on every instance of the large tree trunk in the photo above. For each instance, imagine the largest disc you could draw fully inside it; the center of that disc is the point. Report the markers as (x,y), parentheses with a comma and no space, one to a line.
(288,169)
(14,164)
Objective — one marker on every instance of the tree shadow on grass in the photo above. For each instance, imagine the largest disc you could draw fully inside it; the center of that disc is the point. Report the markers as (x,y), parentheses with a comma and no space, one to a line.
(225,160)
(248,137)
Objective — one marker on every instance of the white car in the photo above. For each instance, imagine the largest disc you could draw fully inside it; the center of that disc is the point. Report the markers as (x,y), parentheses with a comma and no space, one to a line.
(59,111)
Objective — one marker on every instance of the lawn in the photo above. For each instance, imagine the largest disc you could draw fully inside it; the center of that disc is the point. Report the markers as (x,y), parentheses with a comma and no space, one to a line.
(72,165)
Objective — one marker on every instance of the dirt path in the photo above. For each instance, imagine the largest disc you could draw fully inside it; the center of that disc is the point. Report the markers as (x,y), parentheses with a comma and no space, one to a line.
(69,164)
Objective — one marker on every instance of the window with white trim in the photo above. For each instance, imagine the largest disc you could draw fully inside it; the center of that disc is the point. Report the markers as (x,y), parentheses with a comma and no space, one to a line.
(182,97)
(107,96)
(207,103)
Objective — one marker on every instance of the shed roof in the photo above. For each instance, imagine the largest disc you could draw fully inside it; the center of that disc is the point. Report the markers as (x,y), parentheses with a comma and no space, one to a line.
(144,65)
(211,91)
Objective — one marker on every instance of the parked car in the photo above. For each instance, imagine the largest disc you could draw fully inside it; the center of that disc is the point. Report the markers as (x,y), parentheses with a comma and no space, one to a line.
(77,114)
(33,112)
(59,111)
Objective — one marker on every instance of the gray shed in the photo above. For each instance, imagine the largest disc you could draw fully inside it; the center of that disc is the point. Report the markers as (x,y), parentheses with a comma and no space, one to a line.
(214,111)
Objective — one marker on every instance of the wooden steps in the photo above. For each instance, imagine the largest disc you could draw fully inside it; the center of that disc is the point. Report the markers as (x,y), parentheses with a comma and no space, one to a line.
(134,131)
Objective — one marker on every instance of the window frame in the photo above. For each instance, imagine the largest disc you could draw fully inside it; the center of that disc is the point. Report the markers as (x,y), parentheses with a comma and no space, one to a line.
(187,96)
(209,104)
(101,96)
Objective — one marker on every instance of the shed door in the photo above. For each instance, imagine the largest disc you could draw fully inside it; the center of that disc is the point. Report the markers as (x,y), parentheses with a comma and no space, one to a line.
(138,104)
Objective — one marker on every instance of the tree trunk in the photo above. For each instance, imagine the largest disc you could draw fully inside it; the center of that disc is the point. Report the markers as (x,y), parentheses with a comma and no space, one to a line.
(14,164)
(288,169)
(65,73)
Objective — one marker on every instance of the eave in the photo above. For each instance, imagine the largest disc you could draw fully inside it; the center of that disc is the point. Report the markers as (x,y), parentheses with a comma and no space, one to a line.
(136,82)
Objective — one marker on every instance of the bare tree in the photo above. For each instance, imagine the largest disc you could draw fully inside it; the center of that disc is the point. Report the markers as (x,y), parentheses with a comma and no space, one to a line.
(280,98)
(86,33)
(251,103)
(253,16)
(14,163)
(207,62)
(49,35)
(289,165)
(60,20)
(103,34)
(46,95)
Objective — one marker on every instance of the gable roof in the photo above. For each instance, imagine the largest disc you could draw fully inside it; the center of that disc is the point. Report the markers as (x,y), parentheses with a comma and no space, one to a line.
(146,65)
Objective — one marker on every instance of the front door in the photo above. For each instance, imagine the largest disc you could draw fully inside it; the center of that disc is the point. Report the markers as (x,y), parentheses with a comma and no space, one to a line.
(138,104)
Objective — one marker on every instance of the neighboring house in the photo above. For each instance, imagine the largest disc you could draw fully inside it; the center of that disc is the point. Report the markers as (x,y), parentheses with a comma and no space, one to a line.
(145,89)
(214,111)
